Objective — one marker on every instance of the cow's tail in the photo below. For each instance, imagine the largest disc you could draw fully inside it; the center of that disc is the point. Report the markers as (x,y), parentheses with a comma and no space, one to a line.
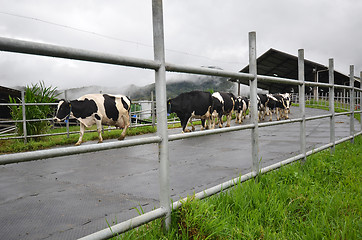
(130,104)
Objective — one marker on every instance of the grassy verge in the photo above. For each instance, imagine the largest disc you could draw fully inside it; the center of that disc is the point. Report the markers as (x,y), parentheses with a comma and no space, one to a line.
(318,200)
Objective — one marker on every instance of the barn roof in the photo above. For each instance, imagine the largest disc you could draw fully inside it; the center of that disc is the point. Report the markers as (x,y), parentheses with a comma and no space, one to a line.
(281,64)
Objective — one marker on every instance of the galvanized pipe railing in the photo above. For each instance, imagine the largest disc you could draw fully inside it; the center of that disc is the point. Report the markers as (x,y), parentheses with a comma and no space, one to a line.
(49,50)
(65,151)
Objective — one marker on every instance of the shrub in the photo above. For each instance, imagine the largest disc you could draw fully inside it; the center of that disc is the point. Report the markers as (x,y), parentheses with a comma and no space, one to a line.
(37,93)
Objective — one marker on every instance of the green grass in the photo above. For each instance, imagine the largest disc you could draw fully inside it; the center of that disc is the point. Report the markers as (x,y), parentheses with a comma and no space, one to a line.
(320,199)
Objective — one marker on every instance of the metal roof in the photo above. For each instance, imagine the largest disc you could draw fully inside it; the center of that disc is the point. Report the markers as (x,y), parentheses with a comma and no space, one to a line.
(280,64)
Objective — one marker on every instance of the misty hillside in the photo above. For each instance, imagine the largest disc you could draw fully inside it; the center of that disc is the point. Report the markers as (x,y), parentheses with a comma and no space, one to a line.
(175,87)
(178,84)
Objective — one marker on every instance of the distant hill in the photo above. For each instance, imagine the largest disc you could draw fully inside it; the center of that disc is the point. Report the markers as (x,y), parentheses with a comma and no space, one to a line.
(175,87)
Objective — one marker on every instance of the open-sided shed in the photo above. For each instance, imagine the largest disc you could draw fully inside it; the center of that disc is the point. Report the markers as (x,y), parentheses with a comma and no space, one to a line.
(280,64)
(4,98)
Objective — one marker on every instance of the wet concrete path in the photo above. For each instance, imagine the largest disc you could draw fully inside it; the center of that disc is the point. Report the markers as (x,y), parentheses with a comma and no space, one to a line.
(70,197)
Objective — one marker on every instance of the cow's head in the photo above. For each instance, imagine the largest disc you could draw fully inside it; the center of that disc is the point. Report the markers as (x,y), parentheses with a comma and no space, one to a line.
(63,110)
(169,103)
(238,104)
(287,100)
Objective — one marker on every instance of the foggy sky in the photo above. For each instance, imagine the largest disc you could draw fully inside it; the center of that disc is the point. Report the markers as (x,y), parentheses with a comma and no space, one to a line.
(197,33)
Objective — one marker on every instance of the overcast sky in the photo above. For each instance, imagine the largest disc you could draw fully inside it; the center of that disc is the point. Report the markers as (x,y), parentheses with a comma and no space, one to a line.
(197,33)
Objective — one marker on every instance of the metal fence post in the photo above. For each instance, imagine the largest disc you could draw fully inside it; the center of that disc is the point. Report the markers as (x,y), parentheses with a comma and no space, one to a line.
(253,103)
(331,104)
(302,103)
(161,104)
(25,132)
(351,102)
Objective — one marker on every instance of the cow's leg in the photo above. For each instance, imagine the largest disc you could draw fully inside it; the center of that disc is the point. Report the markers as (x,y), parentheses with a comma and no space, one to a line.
(236,117)
(99,130)
(228,119)
(184,123)
(277,114)
(192,125)
(212,117)
(240,117)
(219,120)
(286,114)
(126,125)
(208,119)
(81,133)
(203,124)
(271,115)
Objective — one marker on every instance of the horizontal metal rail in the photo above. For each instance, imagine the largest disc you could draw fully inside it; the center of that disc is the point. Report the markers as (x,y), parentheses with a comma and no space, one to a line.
(342,113)
(206,71)
(126,225)
(208,132)
(49,50)
(318,117)
(65,151)
(28,104)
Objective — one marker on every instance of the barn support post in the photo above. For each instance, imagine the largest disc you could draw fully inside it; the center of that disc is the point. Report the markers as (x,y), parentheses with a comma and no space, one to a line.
(153,110)
(161,104)
(331,104)
(302,103)
(253,104)
(360,97)
(351,102)
(25,132)
(67,120)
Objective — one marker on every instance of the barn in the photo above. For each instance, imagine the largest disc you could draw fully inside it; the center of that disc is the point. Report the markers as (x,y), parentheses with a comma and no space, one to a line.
(4,98)
(280,64)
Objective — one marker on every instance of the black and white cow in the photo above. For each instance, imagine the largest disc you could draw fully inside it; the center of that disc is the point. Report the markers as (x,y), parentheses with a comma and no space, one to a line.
(223,104)
(278,103)
(275,103)
(287,104)
(99,109)
(262,100)
(241,106)
(189,105)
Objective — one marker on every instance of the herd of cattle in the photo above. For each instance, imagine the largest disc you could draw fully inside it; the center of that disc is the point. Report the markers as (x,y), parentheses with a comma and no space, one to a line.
(211,108)
(113,110)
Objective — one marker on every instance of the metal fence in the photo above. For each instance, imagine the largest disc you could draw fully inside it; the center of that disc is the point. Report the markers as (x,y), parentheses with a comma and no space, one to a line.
(341,100)
(160,67)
